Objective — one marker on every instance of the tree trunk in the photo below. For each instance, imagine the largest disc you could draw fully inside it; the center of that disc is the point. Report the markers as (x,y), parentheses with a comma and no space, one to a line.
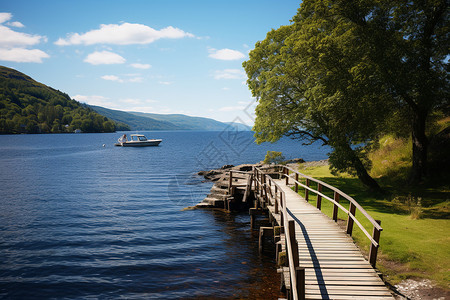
(360,169)
(362,174)
(419,147)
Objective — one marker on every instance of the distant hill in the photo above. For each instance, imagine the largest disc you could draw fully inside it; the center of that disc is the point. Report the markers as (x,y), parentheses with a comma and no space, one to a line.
(135,122)
(150,121)
(27,106)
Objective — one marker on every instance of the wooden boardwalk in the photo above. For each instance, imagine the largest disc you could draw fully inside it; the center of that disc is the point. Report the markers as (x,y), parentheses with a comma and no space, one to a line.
(318,259)
(334,266)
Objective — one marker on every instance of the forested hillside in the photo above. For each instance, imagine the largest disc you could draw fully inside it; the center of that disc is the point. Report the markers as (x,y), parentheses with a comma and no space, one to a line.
(27,106)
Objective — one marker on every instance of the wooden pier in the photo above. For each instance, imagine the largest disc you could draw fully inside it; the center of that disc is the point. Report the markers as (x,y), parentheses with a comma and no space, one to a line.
(318,259)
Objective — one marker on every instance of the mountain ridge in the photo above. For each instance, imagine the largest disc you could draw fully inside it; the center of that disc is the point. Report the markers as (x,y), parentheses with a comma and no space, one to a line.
(152,121)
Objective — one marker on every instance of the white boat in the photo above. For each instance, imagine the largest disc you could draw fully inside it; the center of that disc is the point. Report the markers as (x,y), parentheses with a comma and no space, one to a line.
(137,140)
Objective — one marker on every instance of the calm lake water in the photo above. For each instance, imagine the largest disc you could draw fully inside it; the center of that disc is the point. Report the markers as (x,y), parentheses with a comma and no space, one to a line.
(79,220)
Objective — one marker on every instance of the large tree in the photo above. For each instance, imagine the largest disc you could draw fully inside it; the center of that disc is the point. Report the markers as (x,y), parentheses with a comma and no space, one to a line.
(328,76)
(313,82)
(409,44)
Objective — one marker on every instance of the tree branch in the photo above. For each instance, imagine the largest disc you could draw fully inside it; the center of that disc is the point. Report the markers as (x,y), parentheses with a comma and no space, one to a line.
(303,134)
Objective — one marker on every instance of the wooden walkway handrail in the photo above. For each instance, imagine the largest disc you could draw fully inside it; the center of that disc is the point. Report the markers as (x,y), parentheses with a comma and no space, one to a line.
(322,261)
(350,199)
(374,238)
(284,222)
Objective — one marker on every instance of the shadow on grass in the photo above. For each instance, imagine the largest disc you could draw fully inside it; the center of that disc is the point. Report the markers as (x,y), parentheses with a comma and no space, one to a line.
(434,202)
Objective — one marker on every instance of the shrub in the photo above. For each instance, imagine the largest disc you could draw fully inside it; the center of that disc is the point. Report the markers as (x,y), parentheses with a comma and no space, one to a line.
(274,157)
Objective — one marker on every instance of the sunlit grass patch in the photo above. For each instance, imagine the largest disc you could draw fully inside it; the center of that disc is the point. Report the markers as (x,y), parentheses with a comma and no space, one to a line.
(414,241)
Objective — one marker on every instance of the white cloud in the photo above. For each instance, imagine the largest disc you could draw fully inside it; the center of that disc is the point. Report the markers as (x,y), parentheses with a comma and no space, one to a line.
(23,55)
(137,101)
(229,74)
(165,82)
(232,108)
(226,54)
(112,78)
(15,24)
(13,44)
(104,58)
(5,17)
(10,38)
(118,79)
(128,104)
(136,79)
(94,100)
(123,34)
(141,66)
(131,101)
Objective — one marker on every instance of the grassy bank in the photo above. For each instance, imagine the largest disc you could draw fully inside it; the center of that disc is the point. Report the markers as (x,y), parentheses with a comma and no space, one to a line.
(415,241)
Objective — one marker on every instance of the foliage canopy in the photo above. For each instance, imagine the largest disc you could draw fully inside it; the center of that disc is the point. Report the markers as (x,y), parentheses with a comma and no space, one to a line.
(344,71)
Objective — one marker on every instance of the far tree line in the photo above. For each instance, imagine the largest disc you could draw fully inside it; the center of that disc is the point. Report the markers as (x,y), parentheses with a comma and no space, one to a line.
(30,107)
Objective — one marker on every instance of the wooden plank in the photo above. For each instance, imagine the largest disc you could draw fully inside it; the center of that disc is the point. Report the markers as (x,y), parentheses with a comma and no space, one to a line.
(348,297)
(334,265)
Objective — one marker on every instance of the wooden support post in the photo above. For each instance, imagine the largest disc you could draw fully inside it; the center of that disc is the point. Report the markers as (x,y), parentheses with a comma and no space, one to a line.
(296,182)
(319,197)
(300,275)
(264,231)
(294,244)
(374,249)
(253,212)
(306,190)
(352,210)
(335,207)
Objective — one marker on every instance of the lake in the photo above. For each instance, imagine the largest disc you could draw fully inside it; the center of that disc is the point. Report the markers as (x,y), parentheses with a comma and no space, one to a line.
(80,218)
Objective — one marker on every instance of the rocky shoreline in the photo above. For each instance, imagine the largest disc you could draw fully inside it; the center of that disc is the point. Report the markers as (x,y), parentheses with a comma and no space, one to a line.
(217,174)
(219,195)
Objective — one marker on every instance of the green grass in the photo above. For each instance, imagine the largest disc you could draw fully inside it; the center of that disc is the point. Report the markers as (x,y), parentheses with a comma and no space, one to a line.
(415,240)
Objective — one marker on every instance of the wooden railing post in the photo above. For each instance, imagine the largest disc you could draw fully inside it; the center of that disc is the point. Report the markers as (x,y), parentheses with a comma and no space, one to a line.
(276,204)
(319,197)
(296,182)
(300,275)
(230,182)
(335,207)
(286,170)
(351,210)
(281,212)
(257,181)
(306,190)
(294,244)
(374,249)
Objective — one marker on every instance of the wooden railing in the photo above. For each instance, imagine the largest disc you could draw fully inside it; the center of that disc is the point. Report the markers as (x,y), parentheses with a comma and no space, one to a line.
(272,194)
(290,174)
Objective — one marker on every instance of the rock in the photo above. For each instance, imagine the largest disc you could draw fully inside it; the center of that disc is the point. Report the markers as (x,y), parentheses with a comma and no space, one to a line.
(296,161)
(245,168)
(227,167)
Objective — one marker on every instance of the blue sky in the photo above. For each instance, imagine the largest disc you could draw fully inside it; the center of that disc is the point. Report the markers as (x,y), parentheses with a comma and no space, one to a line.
(142,55)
